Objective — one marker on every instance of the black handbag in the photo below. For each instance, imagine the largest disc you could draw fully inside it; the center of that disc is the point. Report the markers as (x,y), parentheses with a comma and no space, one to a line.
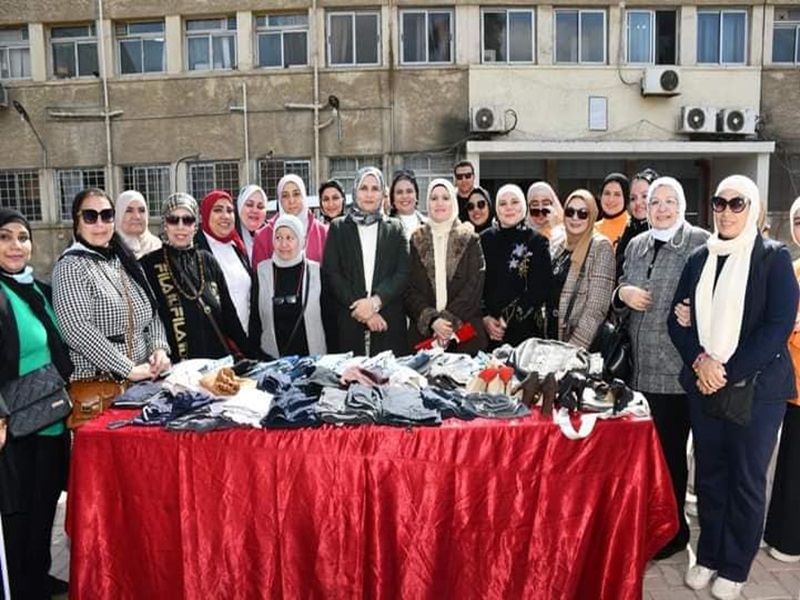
(733,403)
(35,400)
(613,343)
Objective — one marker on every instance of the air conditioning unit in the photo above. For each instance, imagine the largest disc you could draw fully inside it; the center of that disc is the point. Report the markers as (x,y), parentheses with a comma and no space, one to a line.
(486,119)
(739,121)
(698,119)
(661,81)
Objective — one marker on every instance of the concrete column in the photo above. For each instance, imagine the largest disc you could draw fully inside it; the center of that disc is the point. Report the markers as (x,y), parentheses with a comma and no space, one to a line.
(468,35)
(108,47)
(544,35)
(615,29)
(173,28)
(687,45)
(756,51)
(39,51)
(769,23)
(245,55)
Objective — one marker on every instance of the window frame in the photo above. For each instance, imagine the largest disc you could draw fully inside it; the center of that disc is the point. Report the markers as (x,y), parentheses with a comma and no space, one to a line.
(508,11)
(133,176)
(21,45)
(720,14)
(653,14)
(211,35)
(347,176)
(427,13)
(76,42)
(91,177)
(353,14)
(787,24)
(216,164)
(140,38)
(580,12)
(297,166)
(28,205)
(282,30)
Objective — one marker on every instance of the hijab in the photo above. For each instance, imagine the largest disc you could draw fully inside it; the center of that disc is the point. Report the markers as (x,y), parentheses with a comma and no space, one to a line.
(625,184)
(293,223)
(331,183)
(140,244)
(295,179)
(441,234)
(665,235)
(175,201)
(719,306)
(556,216)
(579,244)
(206,206)
(489,204)
(792,214)
(516,191)
(247,235)
(358,214)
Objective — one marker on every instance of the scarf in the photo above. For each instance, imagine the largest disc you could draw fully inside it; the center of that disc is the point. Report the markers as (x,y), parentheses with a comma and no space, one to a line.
(515,191)
(247,236)
(358,214)
(719,308)
(293,223)
(625,184)
(174,201)
(206,206)
(440,231)
(556,216)
(139,244)
(665,235)
(291,178)
(578,245)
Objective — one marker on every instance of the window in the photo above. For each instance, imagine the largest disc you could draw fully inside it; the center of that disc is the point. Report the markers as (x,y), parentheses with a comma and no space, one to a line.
(427,167)
(508,36)
(721,36)
(652,37)
(207,176)
(353,38)
(426,36)
(141,47)
(282,40)
(74,50)
(15,53)
(211,44)
(20,190)
(71,181)
(153,181)
(270,173)
(344,169)
(786,36)
(580,36)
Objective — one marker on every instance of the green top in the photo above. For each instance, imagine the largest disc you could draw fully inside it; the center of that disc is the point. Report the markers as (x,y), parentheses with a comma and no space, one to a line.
(33,350)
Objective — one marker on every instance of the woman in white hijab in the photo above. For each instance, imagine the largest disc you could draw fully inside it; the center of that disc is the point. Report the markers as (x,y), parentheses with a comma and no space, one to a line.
(131,220)
(447,272)
(251,215)
(738,375)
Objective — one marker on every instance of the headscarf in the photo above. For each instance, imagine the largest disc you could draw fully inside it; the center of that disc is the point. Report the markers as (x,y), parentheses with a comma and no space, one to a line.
(625,184)
(331,183)
(141,244)
(174,201)
(482,192)
(665,235)
(359,215)
(517,193)
(556,216)
(719,307)
(206,206)
(11,215)
(402,175)
(441,233)
(579,244)
(246,235)
(792,214)
(295,179)
(296,226)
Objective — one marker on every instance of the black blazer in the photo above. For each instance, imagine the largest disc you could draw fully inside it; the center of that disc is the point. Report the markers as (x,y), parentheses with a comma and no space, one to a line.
(343,284)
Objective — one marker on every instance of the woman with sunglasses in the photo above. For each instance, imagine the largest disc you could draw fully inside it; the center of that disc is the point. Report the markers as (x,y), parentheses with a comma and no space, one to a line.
(583,273)
(331,201)
(132,223)
(447,274)
(653,264)
(546,213)
(637,213)
(289,305)
(518,273)
(743,297)
(251,215)
(190,288)
(104,304)
(218,235)
(403,195)
(479,209)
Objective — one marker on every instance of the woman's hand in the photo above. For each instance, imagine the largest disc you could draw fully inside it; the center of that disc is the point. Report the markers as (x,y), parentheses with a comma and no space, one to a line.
(636,298)
(3,432)
(159,362)
(443,330)
(683,313)
(377,323)
(711,376)
(361,310)
(495,328)
(140,372)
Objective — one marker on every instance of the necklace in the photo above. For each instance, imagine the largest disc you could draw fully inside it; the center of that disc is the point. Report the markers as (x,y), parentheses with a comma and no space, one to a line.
(201,270)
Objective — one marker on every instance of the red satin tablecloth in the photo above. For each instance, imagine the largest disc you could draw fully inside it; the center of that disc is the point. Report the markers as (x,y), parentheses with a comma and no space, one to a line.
(479,509)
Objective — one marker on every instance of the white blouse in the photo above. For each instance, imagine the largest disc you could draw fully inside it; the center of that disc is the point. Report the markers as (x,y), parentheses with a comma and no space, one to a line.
(236,277)
(368,235)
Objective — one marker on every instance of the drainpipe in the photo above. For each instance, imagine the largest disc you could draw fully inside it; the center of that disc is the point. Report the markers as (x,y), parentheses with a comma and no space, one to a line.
(243,110)
(106,112)
(316,98)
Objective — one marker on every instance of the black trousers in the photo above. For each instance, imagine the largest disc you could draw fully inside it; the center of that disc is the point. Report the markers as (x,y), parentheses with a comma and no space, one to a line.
(670,414)
(28,530)
(783,518)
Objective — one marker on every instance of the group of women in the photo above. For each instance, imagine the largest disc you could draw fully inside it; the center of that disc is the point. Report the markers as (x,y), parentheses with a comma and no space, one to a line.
(703,312)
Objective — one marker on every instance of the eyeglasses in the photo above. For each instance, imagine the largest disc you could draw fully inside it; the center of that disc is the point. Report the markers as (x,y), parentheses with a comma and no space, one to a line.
(90,215)
(576,213)
(187,220)
(540,212)
(460,176)
(665,202)
(737,204)
(480,205)
(281,300)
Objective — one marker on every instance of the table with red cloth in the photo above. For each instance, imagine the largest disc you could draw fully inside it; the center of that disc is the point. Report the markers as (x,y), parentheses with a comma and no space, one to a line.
(470,509)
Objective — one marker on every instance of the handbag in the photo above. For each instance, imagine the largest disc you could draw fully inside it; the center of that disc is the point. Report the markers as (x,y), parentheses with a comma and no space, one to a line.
(732,403)
(613,342)
(35,400)
(90,397)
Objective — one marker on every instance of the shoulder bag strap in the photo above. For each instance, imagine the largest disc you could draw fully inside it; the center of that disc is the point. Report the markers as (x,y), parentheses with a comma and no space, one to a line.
(578,282)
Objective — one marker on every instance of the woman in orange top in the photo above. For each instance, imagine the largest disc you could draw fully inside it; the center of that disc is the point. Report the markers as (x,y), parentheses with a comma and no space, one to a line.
(613,198)
(782,532)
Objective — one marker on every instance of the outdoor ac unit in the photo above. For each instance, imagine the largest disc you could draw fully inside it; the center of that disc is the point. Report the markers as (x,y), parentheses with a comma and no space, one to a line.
(740,121)
(698,119)
(661,81)
(486,119)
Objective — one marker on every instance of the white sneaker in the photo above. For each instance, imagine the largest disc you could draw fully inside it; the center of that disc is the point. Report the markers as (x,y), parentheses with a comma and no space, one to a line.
(725,589)
(698,577)
(787,558)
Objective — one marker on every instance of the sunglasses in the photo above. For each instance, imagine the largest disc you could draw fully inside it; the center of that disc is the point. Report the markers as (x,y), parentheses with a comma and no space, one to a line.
(540,212)
(281,300)
(736,205)
(576,213)
(460,176)
(90,215)
(480,204)
(187,220)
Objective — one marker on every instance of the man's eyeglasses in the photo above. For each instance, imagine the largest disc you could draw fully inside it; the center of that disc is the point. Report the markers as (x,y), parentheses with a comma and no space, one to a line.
(460,176)
(736,205)
(187,220)
(90,215)
(540,212)
(480,205)
(281,300)
(576,213)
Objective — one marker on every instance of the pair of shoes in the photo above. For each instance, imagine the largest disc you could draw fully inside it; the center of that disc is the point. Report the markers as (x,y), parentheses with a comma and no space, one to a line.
(783,557)
(725,589)
(698,577)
